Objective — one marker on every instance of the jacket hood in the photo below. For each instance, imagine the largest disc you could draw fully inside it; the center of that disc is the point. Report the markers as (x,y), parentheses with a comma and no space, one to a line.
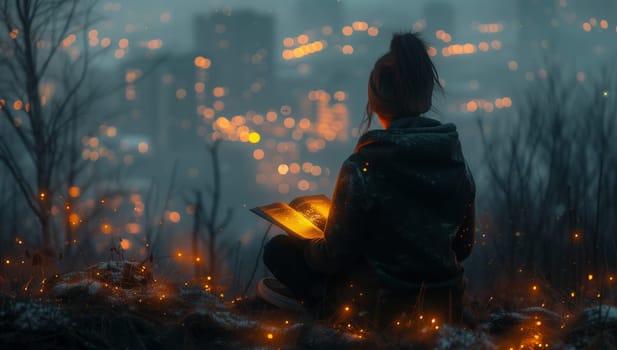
(415,138)
(424,152)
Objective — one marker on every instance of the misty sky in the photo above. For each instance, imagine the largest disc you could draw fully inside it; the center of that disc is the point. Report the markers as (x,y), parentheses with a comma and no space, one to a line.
(177,32)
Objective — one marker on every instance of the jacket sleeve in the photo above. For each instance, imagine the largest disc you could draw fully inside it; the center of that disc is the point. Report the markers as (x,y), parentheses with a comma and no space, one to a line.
(344,233)
(464,240)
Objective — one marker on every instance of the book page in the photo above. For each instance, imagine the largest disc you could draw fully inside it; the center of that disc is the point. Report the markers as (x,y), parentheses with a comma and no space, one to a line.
(287,218)
(315,208)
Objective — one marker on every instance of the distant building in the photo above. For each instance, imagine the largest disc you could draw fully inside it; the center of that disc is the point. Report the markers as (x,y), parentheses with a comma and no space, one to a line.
(240,45)
(534,18)
(586,9)
(313,16)
(439,15)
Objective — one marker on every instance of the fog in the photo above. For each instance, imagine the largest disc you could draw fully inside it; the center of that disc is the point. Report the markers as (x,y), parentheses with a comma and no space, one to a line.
(283,85)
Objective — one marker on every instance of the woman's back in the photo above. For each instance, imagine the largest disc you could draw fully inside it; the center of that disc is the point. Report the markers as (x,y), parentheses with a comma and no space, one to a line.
(418,187)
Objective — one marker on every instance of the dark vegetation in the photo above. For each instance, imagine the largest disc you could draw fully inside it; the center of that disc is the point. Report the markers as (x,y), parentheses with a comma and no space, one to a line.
(550,200)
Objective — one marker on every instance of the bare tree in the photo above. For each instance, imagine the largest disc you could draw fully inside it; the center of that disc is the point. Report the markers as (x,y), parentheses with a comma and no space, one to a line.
(44,100)
(552,182)
(210,215)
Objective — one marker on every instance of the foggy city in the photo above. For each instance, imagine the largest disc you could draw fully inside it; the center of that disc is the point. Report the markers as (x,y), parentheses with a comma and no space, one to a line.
(139,139)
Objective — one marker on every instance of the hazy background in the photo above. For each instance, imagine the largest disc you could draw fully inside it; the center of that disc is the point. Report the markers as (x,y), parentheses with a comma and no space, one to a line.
(283,84)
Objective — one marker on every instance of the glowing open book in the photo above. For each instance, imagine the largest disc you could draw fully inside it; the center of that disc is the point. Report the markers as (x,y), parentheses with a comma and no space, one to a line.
(304,217)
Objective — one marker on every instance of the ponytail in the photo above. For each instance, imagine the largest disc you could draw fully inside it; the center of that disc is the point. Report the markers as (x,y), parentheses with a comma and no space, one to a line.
(402,81)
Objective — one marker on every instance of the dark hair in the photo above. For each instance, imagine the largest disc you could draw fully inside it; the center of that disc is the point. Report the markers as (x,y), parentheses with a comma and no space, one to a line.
(402,80)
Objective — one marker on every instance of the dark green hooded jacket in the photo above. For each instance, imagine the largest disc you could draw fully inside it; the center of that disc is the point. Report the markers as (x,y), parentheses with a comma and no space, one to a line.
(402,208)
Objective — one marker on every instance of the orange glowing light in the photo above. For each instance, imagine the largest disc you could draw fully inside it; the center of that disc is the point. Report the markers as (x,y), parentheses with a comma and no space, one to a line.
(270,336)
(288,54)
(142,147)
(198,259)
(174,217)
(303,39)
(179,254)
(258,154)
(340,96)
(432,51)
(289,122)
(288,42)
(586,27)
(238,120)
(200,87)
(294,168)
(590,277)
(483,46)
(111,131)
(74,191)
(218,91)
(93,142)
(346,308)
(373,31)
(603,24)
(360,26)
(316,170)
(304,124)
(283,169)
(123,43)
(469,48)
(7,261)
(133,228)
(180,94)
(208,113)
(347,30)
(303,185)
(347,49)
(74,219)
(18,105)
(534,287)
(472,106)
(106,228)
(125,244)
(202,62)
(68,41)
(271,116)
